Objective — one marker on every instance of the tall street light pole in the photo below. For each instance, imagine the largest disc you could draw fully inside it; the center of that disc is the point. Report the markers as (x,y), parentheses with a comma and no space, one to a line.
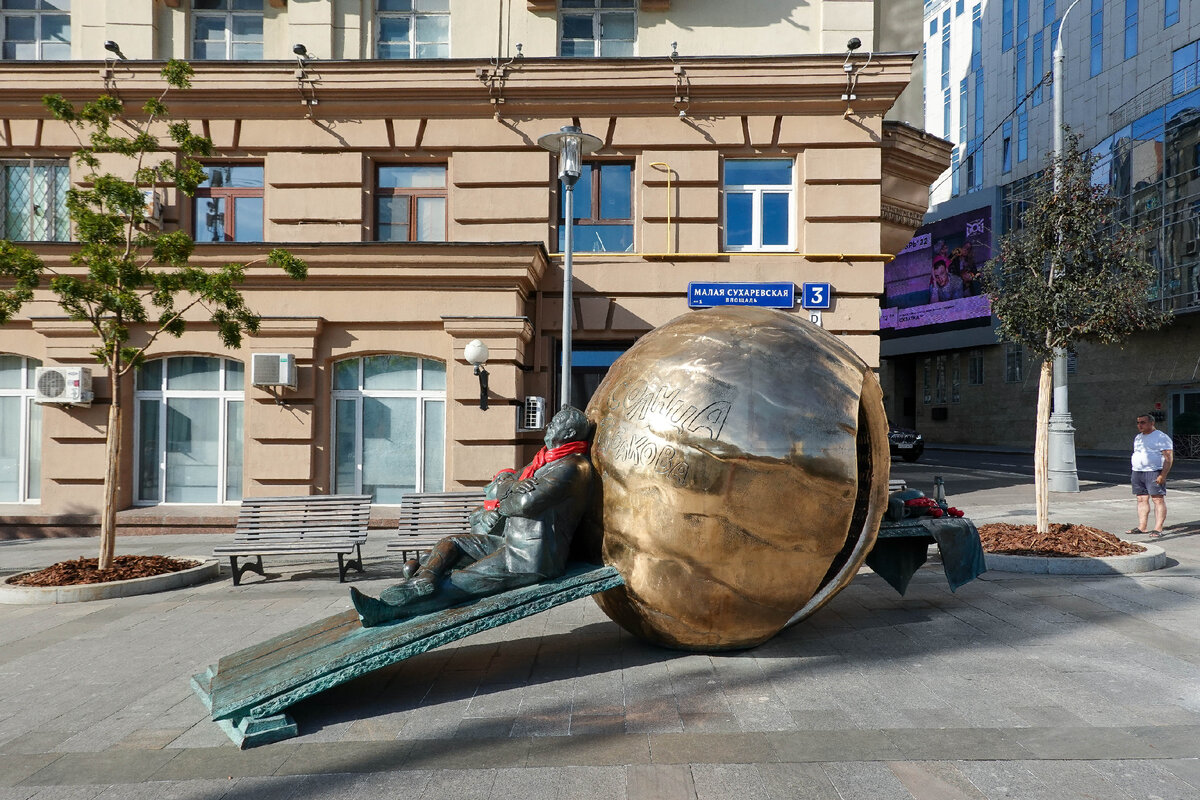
(1063,475)
(570,143)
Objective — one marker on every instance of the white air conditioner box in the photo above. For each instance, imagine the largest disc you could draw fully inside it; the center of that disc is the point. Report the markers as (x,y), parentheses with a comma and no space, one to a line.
(67,385)
(532,413)
(273,369)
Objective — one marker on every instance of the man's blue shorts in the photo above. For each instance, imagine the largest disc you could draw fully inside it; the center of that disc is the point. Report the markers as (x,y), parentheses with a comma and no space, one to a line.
(1143,483)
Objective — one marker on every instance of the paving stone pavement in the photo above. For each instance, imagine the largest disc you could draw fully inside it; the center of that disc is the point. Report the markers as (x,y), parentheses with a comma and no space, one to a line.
(1015,686)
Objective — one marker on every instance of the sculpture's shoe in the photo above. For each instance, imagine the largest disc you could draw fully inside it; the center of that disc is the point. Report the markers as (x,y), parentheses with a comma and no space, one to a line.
(410,568)
(374,611)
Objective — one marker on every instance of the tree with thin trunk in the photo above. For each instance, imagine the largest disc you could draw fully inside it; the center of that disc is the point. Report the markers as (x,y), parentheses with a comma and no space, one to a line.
(126,275)
(1072,270)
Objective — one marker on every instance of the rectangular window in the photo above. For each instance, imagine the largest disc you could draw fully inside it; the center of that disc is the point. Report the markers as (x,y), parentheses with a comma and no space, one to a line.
(955,176)
(33,201)
(979,105)
(1022,20)
(939,386)
(603,211)
(1022,136)
(955,379)
(1014,363)
(759,206)
(1021,73)
(977,38)
(1131,28)
(20,431)
(36,30)
(1048,12)
(412,29)
(958,7)
(1038,61)
(227,30)
(1006,25)
(963,115)
(1006,147)
(1053,46)
(591,28)
(1170,13)
(926,388)
(229,204)
(933,26)
(410,203)
(946,112)
(975,368)
(1184,72)
(1097,38)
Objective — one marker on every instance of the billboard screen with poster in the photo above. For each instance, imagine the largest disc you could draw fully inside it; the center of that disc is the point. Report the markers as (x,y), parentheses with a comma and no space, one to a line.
(935,279)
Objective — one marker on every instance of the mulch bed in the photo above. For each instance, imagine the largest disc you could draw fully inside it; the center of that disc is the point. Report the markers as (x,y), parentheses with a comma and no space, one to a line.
(83,570)
(1063,540)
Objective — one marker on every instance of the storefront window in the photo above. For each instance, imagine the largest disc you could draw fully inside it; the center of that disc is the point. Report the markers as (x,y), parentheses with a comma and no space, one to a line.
(389,426)
(20,431)
(189,430)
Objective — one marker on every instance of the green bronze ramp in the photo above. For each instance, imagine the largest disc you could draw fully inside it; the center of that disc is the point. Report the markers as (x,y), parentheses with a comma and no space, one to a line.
(248,691)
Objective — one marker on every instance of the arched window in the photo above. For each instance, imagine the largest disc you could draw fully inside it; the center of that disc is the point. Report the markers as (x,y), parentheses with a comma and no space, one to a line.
(20,431)
(389,426)
(189,430)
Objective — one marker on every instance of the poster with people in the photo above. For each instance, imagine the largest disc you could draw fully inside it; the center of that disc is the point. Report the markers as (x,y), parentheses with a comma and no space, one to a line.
(935,278)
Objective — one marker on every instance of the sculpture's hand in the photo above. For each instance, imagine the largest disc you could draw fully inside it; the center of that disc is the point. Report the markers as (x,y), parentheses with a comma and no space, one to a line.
(488,520)
(526,486)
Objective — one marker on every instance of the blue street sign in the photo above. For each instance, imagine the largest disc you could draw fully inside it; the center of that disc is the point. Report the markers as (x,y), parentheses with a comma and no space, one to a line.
(816,295)
(765,295)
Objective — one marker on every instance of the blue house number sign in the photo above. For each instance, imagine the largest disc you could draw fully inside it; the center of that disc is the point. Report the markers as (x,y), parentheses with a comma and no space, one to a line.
(816,295)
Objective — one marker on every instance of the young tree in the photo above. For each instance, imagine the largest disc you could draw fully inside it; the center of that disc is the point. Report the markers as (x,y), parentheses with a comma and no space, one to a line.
(1069,272)
(125,275)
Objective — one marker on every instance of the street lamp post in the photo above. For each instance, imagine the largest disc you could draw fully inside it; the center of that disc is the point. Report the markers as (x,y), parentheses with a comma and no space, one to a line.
(1063,475)
(570,144)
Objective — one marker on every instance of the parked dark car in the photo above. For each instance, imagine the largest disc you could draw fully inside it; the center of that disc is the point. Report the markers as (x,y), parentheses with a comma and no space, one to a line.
(906,443)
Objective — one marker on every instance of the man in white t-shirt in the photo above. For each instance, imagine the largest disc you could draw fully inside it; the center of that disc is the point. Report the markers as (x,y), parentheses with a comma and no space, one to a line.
(1153,454)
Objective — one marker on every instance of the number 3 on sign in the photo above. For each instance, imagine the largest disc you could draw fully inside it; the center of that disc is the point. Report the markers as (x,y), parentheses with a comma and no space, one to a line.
(816,295)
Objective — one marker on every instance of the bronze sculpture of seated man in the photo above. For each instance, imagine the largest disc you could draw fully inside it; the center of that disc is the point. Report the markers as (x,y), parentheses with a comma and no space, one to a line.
(521,536)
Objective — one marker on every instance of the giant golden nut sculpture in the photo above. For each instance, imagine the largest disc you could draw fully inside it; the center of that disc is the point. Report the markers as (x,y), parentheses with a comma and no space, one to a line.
(743,461)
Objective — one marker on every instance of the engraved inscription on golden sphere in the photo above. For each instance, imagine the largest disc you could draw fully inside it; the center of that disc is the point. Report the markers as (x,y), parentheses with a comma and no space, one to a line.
(743,461)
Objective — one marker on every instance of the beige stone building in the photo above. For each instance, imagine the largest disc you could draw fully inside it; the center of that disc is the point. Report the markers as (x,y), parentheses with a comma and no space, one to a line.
(392,144)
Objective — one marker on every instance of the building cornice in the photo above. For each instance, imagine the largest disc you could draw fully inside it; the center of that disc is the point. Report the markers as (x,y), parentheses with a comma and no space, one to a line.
(348,90)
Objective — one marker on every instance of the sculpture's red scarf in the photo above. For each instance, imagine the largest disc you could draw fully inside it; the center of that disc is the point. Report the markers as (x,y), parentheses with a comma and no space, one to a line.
(542,458)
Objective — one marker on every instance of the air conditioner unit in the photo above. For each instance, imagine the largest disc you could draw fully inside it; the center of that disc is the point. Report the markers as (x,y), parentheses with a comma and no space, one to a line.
(66,385)
(153,210)
(532,414)
(273,369)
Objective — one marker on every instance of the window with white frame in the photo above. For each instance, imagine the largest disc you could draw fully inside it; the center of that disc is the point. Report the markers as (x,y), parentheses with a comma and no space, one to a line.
(227,30)
(1014,363)
(412,29)
(33,201)
(189,429)
(389,426)
(975,368)
(20,431)
(760,212)
(36,30)
(591,28)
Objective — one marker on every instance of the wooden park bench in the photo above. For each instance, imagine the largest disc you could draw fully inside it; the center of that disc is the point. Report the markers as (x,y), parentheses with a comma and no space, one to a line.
(273,526)
(425,517)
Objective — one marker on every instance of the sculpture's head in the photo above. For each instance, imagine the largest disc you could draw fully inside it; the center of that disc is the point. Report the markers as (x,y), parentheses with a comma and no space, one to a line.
(568,425)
